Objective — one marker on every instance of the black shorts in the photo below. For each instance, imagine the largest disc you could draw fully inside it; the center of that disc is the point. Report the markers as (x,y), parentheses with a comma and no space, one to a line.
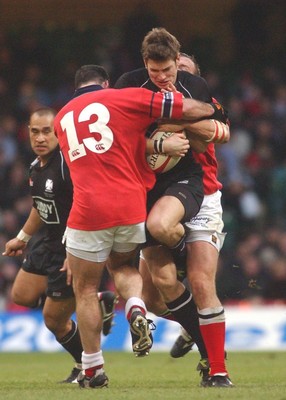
(188,190)
(41,261)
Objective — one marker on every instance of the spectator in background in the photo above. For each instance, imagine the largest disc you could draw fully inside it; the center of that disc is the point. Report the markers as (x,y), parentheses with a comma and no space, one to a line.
(8,135)
(275,286)
(16,184)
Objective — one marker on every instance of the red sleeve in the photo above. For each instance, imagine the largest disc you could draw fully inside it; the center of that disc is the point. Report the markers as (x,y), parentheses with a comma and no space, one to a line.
(165,105)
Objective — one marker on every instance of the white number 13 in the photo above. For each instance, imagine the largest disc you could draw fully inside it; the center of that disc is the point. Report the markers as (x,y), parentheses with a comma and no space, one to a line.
(100,145)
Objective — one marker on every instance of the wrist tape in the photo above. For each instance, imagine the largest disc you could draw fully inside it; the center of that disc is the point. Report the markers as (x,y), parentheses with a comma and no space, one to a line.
(158,146)
(23,236)
(221,133)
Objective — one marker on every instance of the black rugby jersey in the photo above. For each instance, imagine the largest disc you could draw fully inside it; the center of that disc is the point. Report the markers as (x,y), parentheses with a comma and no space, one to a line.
(191,86)
(51,189)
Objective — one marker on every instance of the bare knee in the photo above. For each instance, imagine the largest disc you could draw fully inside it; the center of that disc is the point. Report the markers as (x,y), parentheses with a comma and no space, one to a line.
(58,326)
(24,299)
(158,229)
(57,316)
(204,292)
(163,284)
(164,232)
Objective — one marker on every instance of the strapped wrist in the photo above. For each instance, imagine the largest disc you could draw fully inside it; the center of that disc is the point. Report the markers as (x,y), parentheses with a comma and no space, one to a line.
(158,146)
(23,236)
(220,134)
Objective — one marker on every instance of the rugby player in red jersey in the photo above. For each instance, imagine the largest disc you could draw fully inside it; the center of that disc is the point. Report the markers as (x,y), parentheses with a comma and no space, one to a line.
(102,136)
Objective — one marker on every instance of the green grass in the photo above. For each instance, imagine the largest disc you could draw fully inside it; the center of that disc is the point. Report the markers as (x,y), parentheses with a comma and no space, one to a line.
(34,376)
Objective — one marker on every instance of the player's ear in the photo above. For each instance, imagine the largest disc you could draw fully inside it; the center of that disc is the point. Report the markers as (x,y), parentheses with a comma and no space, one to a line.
(177,59)
(145,62)
(105,84)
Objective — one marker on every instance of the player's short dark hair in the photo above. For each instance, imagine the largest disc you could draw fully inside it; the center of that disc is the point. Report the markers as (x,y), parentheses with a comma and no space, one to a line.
(87,73)
(160,45)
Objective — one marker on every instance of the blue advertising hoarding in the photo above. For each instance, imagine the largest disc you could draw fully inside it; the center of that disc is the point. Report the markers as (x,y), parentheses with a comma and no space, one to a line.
(252,328)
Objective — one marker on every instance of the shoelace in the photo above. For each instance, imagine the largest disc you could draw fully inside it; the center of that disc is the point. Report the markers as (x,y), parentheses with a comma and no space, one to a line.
(152,325)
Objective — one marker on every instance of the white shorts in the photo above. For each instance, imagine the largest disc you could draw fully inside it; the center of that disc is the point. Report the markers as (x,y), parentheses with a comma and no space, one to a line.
(207,225)
(97,245)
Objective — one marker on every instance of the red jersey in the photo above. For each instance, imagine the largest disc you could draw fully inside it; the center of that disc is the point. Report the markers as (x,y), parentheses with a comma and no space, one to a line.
(102,136)
(208,163)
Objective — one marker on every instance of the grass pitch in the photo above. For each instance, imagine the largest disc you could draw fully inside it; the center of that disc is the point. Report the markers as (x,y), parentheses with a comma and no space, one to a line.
(34,376)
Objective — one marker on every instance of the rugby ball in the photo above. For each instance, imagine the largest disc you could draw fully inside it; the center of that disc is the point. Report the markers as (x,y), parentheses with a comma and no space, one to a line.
(161,163)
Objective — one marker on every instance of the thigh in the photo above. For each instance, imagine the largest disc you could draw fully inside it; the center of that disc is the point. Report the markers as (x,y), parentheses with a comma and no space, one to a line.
(168,209)
(86,274)
(28,287)
(118,259)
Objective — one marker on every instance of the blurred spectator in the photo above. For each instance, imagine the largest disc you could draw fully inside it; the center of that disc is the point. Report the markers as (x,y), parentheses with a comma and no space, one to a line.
(275,288)
(16,183)
(8,144)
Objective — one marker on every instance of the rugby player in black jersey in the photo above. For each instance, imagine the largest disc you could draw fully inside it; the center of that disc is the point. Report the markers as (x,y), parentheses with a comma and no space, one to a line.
(51,190)
(170,208)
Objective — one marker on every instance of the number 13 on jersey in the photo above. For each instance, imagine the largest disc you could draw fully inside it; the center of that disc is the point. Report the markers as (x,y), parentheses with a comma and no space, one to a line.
(97,144)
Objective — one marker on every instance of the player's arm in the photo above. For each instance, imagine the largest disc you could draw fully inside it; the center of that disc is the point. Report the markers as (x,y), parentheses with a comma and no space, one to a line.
(179,143)
(209,130)
(195,110)
(198,145)
(206,130)
(16,246)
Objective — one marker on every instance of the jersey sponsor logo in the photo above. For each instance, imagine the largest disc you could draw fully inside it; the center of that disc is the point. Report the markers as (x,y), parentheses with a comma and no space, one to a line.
(49,185)
(47,210)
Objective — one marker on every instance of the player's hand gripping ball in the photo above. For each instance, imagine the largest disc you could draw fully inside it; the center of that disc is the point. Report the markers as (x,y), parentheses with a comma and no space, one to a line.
(161,163)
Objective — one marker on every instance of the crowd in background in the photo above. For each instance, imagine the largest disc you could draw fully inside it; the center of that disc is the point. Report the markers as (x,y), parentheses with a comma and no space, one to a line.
(37,69)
